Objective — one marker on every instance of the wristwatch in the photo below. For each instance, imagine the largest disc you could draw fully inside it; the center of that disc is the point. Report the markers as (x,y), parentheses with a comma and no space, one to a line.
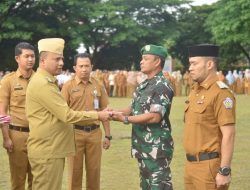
(225,171)
(126,121)
(108,137)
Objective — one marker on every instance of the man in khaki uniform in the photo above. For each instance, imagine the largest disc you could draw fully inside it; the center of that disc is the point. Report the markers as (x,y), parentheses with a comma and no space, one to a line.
(209,124)
(12,101)
(51,139)
(84,93)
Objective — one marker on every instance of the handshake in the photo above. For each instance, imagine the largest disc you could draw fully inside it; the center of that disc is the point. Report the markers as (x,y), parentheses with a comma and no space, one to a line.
(110,114)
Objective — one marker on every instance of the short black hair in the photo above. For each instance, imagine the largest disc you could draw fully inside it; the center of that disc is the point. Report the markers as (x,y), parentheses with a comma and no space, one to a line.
(23,45)
(82,55)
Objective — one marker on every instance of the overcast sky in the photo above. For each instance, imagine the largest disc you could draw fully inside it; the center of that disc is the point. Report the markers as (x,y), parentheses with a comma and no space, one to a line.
(201,2)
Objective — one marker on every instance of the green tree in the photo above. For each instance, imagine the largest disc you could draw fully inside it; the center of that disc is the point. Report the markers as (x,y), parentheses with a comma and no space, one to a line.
(104,26)
(191,30)
(229,24)
(110,26)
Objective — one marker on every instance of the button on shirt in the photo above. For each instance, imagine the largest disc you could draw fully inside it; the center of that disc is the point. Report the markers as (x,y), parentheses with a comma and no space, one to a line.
(49,116)
(209,106)
(153,140)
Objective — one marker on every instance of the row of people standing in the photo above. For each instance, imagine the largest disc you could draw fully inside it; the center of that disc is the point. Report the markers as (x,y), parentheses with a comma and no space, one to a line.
(124,83)
(40,133)
(51,138)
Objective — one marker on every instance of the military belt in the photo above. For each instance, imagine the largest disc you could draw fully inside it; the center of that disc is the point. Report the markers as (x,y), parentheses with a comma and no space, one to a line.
(202,156)
(88,128)
(21,129)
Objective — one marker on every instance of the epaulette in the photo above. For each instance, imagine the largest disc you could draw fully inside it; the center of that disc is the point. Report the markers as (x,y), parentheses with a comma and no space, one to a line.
(49,80)
(221,84)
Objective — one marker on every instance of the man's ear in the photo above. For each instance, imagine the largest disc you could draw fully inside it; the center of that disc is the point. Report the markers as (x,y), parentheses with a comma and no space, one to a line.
(210,65)
(42,61)
(158,63)
(17,58)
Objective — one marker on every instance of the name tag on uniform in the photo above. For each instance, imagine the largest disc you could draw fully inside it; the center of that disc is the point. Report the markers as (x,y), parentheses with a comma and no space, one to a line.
(75,90)
(18,88)
(96,101)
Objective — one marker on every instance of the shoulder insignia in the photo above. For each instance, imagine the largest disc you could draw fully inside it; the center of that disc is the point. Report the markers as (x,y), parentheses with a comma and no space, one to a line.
(228,103)
(75,90)
(221,84)
(49,80)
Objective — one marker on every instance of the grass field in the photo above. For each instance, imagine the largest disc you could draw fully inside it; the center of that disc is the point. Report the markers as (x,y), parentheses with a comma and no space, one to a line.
(120,171)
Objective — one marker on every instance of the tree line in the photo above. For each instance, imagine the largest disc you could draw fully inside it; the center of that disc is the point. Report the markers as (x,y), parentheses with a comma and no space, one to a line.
(115,30)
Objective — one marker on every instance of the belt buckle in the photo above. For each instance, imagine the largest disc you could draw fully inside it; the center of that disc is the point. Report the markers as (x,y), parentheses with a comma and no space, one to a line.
(88,129)
(197,156)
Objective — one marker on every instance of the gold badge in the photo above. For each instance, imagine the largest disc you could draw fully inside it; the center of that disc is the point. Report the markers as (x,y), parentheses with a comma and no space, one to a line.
(200,102)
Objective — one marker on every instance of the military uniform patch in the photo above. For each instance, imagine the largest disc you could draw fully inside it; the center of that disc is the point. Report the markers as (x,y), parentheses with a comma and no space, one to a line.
(228,103)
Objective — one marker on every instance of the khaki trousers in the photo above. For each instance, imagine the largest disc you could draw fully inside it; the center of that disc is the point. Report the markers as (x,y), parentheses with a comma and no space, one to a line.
(89,149)
(201,175)
(18,161)
(47,173)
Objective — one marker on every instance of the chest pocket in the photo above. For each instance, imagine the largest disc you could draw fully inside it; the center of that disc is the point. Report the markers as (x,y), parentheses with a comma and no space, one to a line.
(18,97)
(204,113)
(195,113)
(76,94)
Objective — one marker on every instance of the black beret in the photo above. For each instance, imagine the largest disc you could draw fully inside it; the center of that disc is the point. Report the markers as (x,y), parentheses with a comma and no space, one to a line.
(203,50)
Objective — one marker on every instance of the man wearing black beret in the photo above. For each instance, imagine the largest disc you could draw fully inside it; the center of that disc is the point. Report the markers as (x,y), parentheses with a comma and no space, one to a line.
(209,123)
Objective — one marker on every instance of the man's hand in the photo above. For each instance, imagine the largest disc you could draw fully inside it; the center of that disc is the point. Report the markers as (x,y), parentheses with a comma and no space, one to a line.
(118,116)
(106,143)
(4,119)
(108,109)
(222,180)
(104,115)
(8,144)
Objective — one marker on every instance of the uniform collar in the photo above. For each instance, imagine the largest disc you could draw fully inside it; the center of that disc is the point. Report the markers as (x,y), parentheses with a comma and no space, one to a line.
(78,81)
(158,75)
(47,75)
(207,83)
(151,81)
(19,74)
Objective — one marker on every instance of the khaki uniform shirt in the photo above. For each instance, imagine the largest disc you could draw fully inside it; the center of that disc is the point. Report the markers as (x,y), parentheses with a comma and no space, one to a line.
(13,91)
(49,115)
(81,97)
(210,105)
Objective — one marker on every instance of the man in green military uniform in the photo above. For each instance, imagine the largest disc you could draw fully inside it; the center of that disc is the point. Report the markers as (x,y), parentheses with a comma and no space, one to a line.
(51,139)
(152,143)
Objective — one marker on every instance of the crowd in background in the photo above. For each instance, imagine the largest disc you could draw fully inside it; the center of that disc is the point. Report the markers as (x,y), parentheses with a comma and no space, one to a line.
(123,83)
